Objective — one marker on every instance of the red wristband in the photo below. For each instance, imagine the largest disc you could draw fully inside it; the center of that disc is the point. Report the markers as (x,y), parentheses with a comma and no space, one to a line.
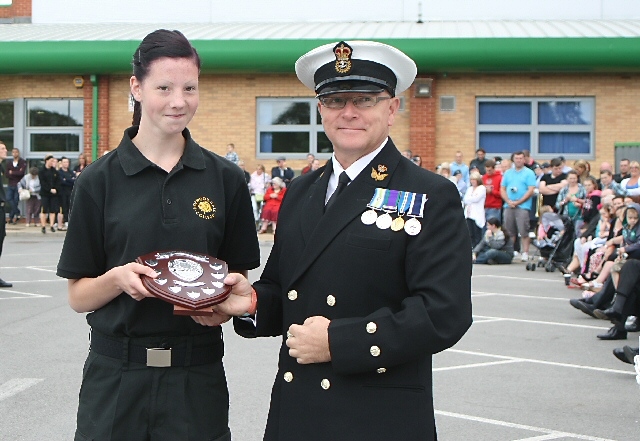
(254,302)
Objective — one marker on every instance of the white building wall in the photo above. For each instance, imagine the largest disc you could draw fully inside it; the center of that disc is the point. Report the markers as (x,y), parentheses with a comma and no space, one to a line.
(225,11)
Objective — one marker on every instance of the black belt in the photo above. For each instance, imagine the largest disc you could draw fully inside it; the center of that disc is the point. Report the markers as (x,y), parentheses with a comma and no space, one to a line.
(159,352)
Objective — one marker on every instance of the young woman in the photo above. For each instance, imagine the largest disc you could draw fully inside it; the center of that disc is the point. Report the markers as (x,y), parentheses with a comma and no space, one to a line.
(272,202)
(496,247)
(570,197)
(158,190)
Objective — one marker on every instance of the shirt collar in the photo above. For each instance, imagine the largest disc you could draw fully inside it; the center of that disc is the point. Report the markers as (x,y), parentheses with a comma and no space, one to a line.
(356,168)
(133,161)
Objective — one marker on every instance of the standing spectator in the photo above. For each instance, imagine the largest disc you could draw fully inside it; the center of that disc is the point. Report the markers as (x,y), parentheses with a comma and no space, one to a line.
(31,182)
(272,202)
(624,171)
(67,179)
(528,160)
(457,179)
(231,154)
(565,167)
(258,185)
(516,189)
(546,168)
(444,170)
(459,165)
(480,161)
(608,185)
(16,169)
(505,164)
(315,165)
(282,171)
(82,163)
(583,168)
(307,168)
(49,185)
(247,175)
(630,184)
(407,154)
(3,204)
(551,184)
(474,199)
(491,181)
(417,160)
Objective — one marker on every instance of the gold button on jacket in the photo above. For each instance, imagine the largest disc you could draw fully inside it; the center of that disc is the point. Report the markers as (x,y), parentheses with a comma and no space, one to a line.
(375,351)
(326,384)
(288,377)
(371,327)
(331,300)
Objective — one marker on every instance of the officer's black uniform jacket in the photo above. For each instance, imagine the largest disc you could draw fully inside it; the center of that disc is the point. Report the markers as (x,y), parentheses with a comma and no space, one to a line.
(409,296)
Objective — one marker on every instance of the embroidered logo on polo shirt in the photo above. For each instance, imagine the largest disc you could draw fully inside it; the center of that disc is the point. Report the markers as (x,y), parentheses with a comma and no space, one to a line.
(204,208)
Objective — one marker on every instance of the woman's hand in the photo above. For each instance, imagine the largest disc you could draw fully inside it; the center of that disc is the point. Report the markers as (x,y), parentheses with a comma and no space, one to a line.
(127,279)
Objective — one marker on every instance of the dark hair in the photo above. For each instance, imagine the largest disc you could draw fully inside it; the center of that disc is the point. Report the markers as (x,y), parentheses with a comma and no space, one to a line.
(495,222)
(556,162)
(573,172)
(490,163)
(159,44)
(481,150)
(593,181)
(518,153)
(606,172)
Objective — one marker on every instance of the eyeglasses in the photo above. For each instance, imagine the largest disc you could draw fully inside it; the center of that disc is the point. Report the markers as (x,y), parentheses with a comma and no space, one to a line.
(361,102)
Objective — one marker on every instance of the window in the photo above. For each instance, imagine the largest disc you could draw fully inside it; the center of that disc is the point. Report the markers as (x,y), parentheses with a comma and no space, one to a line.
(6,124)
(290,126)
(6,2)
(547,127)
(54,126)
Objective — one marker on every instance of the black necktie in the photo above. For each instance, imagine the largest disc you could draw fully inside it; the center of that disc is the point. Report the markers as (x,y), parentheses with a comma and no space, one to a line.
(343,181)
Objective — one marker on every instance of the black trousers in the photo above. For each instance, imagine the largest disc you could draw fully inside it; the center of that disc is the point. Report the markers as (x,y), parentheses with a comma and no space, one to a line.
(627,291)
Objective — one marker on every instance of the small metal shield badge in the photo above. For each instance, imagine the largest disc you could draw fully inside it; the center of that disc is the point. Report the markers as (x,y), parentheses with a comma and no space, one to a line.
(186,270)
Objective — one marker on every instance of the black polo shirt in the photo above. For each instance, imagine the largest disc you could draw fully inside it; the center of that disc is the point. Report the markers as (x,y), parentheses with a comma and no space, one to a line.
(550,199)
(124,206)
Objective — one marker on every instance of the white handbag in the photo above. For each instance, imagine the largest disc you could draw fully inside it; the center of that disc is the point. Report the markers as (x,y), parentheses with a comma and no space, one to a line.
(24,194)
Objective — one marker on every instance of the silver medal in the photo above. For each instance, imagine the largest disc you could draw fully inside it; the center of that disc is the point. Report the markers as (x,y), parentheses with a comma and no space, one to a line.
(384,221)
(369,217)
(412,226)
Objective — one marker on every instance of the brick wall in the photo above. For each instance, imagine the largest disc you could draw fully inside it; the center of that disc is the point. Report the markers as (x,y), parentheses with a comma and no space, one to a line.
(617,108)
(18,9)
(227,111)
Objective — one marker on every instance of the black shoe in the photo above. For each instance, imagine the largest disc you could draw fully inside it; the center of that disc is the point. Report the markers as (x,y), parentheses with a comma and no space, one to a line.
(625,354)
(583,306)
(613,334)
(634,326)
(44,230)
(608,314)
(53,230)
(4,284)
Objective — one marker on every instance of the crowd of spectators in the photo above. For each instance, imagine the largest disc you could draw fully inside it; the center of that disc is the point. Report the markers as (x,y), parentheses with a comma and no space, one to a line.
(503,202)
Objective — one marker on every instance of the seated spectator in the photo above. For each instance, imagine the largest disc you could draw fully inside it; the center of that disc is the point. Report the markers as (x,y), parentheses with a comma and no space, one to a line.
(272,202)
(282,171)
(496,247)
(474,207)
(31,182)
(630,185)
(569,197)
(542,233)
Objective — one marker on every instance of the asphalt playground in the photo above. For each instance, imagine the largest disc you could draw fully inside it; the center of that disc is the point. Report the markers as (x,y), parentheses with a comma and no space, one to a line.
(529,369)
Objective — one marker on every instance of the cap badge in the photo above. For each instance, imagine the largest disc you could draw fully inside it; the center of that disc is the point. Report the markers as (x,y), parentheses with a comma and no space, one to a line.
(204,208)
(343,57)
(379,175)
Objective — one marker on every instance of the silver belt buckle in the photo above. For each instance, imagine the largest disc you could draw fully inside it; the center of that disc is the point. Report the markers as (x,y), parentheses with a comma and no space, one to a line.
(158,357)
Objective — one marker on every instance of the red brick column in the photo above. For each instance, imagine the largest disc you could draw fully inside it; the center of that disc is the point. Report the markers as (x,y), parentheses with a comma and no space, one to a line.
(422,126)
(18,9)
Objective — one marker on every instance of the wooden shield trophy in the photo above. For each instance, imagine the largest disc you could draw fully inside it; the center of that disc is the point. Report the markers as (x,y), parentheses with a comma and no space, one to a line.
(190,281)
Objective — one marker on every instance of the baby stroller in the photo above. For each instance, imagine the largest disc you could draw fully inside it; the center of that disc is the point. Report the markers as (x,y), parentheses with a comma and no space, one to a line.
(556,248)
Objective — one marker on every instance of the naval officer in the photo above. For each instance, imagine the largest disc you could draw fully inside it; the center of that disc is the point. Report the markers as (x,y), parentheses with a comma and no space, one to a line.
(369,275)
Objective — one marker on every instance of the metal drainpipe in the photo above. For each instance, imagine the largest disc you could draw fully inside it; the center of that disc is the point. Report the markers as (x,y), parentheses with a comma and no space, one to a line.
(94,119)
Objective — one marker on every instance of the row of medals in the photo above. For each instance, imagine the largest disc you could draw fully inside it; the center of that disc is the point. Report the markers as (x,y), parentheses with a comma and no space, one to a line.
(384,221)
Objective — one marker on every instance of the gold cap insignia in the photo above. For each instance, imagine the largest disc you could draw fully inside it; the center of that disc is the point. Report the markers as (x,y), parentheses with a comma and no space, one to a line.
(379,175)
(343,57)
(204,208)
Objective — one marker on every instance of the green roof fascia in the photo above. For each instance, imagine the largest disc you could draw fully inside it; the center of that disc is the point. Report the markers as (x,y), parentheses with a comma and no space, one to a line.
(278,56)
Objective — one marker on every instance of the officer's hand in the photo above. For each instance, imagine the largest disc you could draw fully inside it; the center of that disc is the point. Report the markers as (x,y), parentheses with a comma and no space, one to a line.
(214,320)
(309,343)
(127,278)
(239,301)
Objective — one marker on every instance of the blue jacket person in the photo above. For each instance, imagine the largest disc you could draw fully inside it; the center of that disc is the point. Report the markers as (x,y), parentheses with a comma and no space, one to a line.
(369,275)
